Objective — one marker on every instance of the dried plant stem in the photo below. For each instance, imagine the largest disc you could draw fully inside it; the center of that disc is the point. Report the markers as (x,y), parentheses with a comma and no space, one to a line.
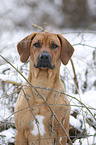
(75,76)
(42,99)
(11,82)
(77,92)
(39,27)
(51,89)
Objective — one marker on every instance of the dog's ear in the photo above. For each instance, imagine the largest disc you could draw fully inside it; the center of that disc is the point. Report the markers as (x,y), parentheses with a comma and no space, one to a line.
(23,47)
(66,49)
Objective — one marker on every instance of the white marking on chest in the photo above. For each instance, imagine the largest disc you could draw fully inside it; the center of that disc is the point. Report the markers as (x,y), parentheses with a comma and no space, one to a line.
(38,126)
(60,140)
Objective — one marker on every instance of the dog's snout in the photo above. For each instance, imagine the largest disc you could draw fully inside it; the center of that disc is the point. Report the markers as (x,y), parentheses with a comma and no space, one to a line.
(44,56)
(44,61)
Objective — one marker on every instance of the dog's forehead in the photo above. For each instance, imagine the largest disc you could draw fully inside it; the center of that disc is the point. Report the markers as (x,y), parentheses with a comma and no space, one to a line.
(46,36)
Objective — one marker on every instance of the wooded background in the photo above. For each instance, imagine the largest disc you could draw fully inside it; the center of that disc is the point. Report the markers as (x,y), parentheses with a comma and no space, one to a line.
(76,21)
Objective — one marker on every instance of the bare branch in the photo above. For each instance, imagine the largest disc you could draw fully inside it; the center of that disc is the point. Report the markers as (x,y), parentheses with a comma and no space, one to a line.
(11,82)
(42,99)
(6,125)
(39,27)
(75,77)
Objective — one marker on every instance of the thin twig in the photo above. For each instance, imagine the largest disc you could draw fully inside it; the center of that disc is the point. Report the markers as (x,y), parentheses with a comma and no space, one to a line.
(6,125)
(39,27)
(75,76)
(84,45)
(76,84)
(42,99)
(49,89)
(32,112)
(11,82)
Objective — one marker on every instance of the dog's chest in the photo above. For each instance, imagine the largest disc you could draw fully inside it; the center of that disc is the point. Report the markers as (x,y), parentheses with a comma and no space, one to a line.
(42,124)
(40,119)
(39,122)
(38,126)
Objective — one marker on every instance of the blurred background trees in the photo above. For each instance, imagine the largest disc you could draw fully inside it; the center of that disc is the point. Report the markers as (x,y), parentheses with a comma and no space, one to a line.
(59,16)
(77,14)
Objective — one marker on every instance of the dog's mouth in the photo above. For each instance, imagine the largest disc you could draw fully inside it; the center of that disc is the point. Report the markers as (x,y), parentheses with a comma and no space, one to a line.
(44,61)
(44,65)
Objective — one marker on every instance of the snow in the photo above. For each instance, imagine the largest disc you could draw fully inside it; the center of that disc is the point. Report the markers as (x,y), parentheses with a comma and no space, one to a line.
(91,98)
(84,44)
(82,59)
(84,141)
(74,122)
(8,134)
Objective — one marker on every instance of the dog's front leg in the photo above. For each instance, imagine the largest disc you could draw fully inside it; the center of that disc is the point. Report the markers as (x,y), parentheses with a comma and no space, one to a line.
(20,138)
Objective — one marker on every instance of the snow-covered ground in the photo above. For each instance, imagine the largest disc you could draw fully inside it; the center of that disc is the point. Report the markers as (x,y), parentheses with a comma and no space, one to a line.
(22,14)
(85,67)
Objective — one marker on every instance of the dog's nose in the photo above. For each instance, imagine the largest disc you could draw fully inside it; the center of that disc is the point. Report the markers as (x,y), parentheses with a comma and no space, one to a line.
(44,56)
(44,61)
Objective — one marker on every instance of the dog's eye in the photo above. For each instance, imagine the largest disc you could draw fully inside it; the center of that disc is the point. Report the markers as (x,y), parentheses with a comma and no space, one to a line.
(54,46)
(37,45)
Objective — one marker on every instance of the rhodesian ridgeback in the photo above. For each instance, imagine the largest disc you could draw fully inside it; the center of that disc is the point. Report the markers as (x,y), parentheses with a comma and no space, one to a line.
(35,123)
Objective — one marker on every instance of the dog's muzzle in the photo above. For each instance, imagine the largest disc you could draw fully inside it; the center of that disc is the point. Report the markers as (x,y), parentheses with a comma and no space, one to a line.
(44,61)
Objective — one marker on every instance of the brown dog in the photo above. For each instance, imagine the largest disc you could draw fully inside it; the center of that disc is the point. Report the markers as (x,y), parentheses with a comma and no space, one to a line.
(34,121)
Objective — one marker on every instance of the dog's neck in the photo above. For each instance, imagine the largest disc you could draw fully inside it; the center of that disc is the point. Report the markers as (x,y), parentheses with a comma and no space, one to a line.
(42,78)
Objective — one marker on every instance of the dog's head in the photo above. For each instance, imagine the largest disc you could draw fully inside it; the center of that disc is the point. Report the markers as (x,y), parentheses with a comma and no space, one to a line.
(45,49)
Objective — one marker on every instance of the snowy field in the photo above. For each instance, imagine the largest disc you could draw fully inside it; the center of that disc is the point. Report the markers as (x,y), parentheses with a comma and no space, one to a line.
(84,103)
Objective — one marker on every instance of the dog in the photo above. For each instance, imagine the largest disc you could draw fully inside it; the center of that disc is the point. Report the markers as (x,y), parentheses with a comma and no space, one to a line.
(34,121)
